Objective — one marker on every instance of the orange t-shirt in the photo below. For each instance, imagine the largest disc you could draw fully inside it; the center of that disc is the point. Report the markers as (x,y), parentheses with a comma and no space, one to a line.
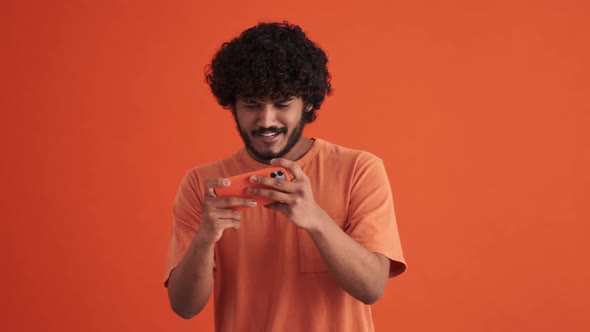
(269,276)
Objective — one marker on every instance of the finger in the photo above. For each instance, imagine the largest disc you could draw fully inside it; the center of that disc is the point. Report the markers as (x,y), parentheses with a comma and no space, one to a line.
(291,166)
(235,225)
(280,207)
(220,220)
(280,184)
(273,195)
(228,214)
(210,185)
(228,202)
(212,213)
(210,192)
(228,223)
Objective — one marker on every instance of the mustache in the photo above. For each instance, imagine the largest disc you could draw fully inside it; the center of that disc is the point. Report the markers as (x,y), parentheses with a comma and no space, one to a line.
(273,129)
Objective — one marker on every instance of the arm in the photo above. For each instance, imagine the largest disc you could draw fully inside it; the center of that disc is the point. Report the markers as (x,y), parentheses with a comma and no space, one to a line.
(191,281)
(359,271)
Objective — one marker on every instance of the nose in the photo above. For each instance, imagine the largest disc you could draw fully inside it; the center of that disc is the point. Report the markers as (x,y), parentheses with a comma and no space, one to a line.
(266,116)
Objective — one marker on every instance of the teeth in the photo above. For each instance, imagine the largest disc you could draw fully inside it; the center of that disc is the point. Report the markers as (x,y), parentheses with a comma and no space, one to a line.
(269,134)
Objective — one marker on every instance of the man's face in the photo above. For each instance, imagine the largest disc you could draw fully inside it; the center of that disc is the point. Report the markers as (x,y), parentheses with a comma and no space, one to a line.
(270,128)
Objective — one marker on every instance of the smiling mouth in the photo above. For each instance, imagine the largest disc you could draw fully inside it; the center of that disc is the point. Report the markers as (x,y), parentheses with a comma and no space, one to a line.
(269,133)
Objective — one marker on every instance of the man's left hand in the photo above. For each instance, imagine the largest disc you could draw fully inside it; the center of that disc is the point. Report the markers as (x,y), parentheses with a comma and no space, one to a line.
(294,199)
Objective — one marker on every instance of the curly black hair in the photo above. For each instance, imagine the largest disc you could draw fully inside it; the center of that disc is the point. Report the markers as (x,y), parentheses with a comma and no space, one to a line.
(270,60)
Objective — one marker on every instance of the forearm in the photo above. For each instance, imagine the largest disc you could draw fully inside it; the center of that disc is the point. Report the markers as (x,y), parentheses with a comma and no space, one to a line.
(359,271)
(190,283)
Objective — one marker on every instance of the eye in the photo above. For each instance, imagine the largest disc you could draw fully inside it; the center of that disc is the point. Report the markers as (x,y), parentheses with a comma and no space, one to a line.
(282,106)
(280,173)
(273,175)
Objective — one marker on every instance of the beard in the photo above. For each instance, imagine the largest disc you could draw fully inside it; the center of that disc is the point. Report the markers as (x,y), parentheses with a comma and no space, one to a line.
(292,139)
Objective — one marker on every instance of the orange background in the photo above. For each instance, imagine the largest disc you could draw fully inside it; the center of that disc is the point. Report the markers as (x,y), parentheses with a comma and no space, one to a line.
(480,110)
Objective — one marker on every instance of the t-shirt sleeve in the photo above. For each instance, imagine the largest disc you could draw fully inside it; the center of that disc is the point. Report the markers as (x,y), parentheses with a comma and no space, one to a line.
(371,216)
(186,219)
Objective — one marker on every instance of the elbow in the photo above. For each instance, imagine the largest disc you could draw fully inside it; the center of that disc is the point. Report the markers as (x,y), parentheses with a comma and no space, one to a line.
(185,314)
(183,306)
(371,298)
(369,301)
(372,295)
(183,309)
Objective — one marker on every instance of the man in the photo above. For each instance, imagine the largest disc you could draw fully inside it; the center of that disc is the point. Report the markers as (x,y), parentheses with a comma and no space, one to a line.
(322,253)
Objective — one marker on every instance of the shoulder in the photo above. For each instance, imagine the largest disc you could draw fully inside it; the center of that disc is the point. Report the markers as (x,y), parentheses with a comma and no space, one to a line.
(215,168)
(341,155)
(219,168)
(333,163)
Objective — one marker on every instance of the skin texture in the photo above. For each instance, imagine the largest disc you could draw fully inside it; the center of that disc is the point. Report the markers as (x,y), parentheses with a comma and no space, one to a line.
(255,116)
(360,272)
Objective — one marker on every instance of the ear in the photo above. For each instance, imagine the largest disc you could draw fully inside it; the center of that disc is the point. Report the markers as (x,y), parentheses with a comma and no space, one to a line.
(308,108)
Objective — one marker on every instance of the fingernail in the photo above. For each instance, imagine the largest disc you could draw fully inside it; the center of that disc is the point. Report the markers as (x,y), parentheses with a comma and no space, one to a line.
(226,182)
(273,161)
(252,203)
(253,178)
(250,190)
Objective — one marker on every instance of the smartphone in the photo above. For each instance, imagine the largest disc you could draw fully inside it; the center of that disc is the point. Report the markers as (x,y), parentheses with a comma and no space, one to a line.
(240,183)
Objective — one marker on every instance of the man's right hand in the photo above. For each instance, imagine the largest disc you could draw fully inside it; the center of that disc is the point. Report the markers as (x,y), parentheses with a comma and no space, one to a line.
(217,213)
